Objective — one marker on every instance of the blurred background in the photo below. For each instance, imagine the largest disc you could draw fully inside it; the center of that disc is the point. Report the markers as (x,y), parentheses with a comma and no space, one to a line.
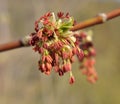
(20,80)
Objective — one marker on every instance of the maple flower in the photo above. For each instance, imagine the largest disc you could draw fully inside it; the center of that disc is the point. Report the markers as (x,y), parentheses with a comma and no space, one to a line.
(72,79)
(57,46)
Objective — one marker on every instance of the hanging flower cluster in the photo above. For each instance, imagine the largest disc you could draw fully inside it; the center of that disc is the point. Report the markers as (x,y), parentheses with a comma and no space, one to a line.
(57,46)
(84,39)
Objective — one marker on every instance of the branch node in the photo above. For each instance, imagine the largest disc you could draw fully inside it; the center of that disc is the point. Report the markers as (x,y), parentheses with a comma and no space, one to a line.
(103,16)
(25,40)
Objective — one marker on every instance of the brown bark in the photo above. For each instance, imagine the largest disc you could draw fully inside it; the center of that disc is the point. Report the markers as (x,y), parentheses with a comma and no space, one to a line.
(90,22)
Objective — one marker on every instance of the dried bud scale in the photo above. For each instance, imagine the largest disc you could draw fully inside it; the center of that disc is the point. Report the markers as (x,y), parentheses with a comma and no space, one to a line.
(57,46)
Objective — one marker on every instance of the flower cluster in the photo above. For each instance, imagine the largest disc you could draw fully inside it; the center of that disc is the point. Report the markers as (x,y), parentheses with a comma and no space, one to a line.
(57,46)
(84,39)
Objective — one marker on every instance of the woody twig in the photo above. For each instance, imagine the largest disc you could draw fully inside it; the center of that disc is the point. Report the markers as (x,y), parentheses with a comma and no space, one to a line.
(99,19)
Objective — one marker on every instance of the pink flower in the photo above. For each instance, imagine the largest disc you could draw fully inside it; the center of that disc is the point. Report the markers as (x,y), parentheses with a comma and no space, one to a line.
(83,35)
(48,66)
(65,55)
(56,58)
(45,46)
(72,59)
(36,26)
(48,59)
(89,62)
(42,67)
(84,71)
(71,80)
(67,67)
(46,16)
(36,48)
(39,34)
(67,15)
(70,54)
(56,68)
(47,72)
(57,46)
(50,33)
(60,15)
(41,50)
(80,54)
(91,80)
(74,50)
(44,39)
(43,58)
(46,22)
(61,73)
(92,51)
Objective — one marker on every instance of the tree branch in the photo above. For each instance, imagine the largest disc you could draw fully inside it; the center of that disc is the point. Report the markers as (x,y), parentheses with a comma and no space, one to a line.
(99,19)
(11,45)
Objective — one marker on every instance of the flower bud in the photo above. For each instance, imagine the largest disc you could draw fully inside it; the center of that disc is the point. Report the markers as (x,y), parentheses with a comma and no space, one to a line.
(71,80)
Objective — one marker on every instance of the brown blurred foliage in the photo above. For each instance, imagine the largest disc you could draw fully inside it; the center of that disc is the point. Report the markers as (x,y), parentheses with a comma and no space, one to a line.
(20,80)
